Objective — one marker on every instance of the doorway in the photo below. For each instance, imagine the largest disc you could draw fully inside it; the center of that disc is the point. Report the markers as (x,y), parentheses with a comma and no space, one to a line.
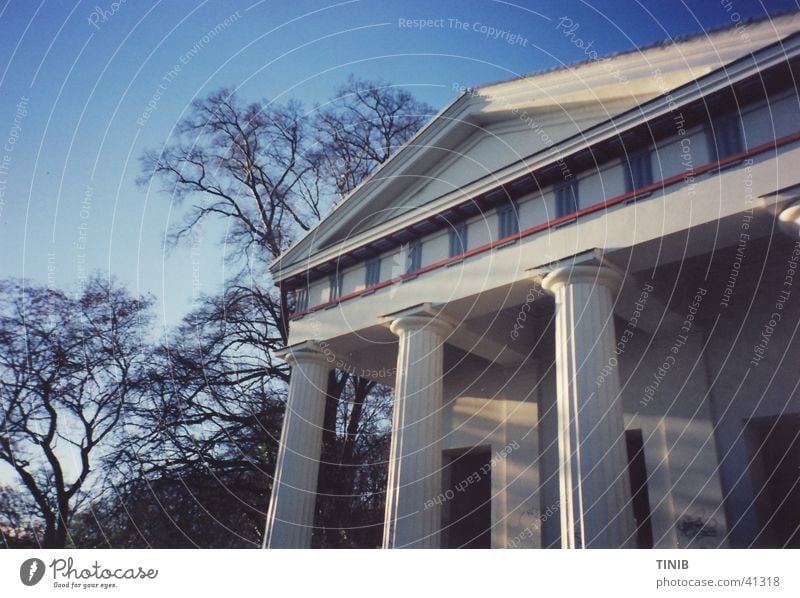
(640,497)
(467,512)
(775,473)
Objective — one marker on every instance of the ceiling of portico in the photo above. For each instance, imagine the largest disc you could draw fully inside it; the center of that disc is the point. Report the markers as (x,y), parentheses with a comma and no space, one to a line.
(492,326)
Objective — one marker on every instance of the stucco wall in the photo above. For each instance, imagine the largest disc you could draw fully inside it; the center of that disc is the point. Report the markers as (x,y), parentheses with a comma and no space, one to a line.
(487,405)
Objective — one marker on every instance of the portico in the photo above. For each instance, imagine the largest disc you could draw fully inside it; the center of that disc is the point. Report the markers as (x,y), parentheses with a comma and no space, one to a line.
(584,338)
(560,330)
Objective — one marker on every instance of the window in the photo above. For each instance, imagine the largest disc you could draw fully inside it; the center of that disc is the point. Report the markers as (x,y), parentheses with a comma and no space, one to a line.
(458,239)
(725,137)
(413,256)
(637,470)
(639,171)
(467,516)
(373,274)
(301,300)
(335,282)
(508,220)
(566,199)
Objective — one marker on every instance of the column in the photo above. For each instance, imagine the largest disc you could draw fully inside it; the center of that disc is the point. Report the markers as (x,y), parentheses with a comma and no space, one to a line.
(789,220)
(290,519)
(596,509)
(412,519)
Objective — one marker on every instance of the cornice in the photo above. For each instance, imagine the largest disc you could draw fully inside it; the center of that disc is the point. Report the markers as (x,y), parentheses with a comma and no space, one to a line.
(693,91)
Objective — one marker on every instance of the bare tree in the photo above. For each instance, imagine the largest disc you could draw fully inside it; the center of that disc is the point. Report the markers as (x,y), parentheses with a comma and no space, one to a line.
(362,126)
(205,434)
(270,171)
(354,468)
(19,522)
(246,163)
(68,369)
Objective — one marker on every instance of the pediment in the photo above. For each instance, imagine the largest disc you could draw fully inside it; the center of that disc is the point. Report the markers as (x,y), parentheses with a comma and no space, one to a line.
(487,130)
(474,148)
(484,151)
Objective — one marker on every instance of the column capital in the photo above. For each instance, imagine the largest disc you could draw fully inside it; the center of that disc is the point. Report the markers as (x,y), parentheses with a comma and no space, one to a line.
(420,317)
(412,323)
(306,352)
(789,220)
(583,274)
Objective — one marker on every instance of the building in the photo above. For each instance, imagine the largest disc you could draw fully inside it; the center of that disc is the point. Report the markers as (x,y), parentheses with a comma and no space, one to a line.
(583,287)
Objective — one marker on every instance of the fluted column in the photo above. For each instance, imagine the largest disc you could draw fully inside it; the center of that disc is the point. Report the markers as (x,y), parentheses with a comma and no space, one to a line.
(290,519)
(596,508)
(412,518)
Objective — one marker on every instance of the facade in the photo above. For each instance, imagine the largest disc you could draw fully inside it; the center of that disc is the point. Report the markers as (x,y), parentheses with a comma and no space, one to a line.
(583,287)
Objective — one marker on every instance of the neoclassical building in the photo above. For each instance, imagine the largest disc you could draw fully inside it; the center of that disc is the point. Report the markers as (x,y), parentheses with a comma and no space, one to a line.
(583,287)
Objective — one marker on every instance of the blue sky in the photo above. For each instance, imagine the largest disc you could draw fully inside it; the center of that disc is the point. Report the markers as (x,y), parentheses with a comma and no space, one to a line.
(83,74)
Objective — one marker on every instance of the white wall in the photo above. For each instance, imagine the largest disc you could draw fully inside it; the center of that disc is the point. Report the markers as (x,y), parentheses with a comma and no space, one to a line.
(536,209)
(764,123)
(678,430)
(680,155)
(601,185)
(490,405)
(767,390)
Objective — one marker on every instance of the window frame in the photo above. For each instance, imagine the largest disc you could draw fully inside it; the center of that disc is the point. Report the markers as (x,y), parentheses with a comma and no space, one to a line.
(335,286)
(413,256)
(301,299)
(507,220)
(558,190)
(725,136)
(372,273)
(458,236)
(640,158)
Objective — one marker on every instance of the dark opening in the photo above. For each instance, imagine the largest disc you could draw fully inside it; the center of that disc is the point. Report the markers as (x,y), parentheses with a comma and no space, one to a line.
(637,469)
(640,171)
(777,448)
(467,513)
(726,136)
(566,199)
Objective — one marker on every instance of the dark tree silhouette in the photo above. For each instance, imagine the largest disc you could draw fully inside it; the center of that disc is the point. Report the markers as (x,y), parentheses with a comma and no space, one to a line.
(195,418)
(69,368)
(205,434)
(269,171)
(20,525)
(362,126)
(354,468)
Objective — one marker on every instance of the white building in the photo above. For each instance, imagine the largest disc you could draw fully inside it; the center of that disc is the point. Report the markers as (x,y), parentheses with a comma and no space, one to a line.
(583,287)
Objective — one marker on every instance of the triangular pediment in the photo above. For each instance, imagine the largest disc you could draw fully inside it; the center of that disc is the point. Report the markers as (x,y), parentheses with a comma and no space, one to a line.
(486,149)
(491,135)
(492,127)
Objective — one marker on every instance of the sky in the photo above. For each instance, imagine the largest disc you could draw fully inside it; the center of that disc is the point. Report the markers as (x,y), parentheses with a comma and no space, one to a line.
(87,87)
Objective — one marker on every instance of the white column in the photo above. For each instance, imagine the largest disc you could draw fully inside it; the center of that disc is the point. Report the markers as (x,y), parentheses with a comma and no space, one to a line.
(596,509)
(415,463)
(290,519)
(789,220)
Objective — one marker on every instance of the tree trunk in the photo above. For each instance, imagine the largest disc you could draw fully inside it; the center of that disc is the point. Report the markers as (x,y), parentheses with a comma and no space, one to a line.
(362,389)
